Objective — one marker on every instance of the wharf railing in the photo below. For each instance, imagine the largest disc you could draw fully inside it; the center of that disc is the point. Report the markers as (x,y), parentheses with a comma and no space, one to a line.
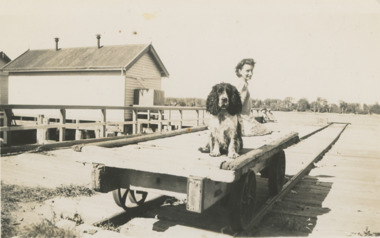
(153,115)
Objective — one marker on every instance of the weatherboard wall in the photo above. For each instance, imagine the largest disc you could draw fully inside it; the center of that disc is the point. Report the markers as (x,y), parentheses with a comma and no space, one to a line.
(143,74)
(61,88)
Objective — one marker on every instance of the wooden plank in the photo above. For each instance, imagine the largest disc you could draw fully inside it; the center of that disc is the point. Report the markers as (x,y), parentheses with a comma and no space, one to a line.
(178,160)
(59,125)
(203,193)
(7,123)
(154,157)
(316,131)
(62,130)
(42,135)
(175,169)
(195,191)
(122,140)
(106,179)
(27,106)
(259,158)
(57,145)
(103,120)
(150,156)
(126,141)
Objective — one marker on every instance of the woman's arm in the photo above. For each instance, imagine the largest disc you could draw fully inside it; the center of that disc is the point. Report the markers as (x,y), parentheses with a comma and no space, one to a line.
(242,88)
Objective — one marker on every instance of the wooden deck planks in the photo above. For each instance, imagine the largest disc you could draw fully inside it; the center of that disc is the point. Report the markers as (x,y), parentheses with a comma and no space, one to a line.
(177,155)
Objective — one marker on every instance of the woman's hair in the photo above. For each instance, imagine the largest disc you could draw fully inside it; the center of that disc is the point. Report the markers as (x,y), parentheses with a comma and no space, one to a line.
(242,62)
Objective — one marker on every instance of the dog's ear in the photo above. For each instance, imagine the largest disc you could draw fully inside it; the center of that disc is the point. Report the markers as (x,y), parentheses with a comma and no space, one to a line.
(236,104)
(213,101)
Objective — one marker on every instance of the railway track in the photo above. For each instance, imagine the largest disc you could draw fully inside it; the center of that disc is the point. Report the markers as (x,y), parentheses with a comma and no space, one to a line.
(308,164)
(169,216)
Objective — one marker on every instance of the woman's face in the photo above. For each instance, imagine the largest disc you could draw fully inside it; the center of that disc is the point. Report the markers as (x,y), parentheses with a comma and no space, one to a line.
(246,72)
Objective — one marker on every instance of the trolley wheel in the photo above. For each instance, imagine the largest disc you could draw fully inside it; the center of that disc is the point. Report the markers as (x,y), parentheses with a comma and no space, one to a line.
(276,177)
(242,201)
(135,198)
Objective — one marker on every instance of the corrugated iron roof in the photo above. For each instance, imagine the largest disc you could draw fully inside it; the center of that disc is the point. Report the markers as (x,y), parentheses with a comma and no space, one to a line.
(83,59)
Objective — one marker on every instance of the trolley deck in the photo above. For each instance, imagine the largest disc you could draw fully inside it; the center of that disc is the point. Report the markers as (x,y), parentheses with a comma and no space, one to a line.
(173,166)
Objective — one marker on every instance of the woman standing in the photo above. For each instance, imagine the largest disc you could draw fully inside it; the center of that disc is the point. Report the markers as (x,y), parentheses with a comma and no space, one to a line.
(249,125)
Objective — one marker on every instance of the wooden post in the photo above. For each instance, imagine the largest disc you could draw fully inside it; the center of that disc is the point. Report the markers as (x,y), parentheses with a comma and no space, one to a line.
(104,126)
(170,120)
(134,119)
(203,117)
(198,120)
(78,133)
(42,133)
(62,130)
(159,120)
(148,118)
(7,123)
(180,117)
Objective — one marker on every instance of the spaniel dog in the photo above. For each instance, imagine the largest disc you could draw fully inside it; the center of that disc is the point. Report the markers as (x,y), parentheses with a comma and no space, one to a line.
(224,105)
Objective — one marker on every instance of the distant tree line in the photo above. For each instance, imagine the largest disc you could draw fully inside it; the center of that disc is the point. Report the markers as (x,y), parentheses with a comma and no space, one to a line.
(185,102)
(290,104)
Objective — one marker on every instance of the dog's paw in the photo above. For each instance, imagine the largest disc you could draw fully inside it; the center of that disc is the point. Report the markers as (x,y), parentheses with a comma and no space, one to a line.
(233,155)
(204,149)
(215,154)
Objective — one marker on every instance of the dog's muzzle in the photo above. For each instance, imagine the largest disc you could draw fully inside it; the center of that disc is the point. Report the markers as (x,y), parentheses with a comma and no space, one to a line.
(223,102)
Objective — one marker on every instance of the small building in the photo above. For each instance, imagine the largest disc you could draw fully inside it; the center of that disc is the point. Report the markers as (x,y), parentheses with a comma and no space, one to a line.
(100,75)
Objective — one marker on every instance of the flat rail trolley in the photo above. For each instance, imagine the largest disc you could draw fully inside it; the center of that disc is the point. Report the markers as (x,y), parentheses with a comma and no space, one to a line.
(173,166)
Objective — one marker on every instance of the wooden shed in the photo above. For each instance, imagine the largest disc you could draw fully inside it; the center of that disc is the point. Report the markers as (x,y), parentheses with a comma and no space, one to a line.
(102,75)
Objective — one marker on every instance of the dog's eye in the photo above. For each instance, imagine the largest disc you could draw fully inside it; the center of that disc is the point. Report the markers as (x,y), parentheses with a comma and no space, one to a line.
(220,90)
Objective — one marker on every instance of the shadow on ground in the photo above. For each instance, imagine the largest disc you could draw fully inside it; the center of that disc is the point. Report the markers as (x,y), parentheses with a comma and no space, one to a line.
(297,213)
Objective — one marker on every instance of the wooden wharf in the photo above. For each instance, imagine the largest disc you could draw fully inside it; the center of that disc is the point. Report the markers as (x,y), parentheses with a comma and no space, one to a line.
(58,121)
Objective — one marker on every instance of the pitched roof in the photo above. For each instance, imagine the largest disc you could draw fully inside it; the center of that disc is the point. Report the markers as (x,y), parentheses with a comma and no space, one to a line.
(83,59)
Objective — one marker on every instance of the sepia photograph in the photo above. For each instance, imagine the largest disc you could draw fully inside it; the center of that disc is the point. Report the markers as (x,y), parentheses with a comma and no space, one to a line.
(212,119)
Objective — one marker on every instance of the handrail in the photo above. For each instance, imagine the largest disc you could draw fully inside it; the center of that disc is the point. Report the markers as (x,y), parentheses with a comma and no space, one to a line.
(30,106)
(100,125)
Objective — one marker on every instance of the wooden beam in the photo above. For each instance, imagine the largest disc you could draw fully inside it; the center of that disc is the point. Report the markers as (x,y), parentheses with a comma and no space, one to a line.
(106,179)
(103,120)
(58,145)
(27,106)
(62,130)
(59,125)
(78,133)
(159,121)
(202,193)
(316,131)
(148,118)
(153,136)
(198,120)
(42,135)
(258,159)
(181,119)
(134,118)
(7,123)
(169,121)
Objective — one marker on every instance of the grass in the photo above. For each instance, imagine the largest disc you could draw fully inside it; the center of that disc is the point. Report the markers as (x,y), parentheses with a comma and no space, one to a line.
(12,195)
(109,227)
(46,229)
(366,232)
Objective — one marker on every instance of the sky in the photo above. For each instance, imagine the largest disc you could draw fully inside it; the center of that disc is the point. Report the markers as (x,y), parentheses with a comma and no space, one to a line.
(302,48)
